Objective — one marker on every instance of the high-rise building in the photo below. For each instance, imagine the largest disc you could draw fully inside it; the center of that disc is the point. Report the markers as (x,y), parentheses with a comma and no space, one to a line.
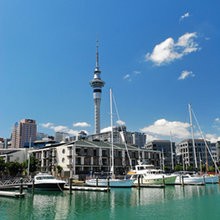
(24,133)
(97,84)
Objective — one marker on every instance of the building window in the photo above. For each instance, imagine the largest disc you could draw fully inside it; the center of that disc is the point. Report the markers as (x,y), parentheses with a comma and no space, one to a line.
(63,151)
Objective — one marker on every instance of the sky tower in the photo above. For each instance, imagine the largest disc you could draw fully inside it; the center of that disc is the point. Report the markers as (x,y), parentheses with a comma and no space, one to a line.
(97,84)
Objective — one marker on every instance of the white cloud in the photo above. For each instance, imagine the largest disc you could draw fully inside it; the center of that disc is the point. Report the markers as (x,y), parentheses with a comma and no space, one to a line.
(168,51)
(152,137)
(120,122)
(212,138)
(47,125)
(186,15)
(81,124)
(134,74)
(127,77)
(59,128)
(185,74)
(162,127)
(217,120)
(216,123)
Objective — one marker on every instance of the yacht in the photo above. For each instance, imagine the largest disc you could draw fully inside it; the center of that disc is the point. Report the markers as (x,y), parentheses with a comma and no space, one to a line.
(148,175)
(189,179)
(46,181)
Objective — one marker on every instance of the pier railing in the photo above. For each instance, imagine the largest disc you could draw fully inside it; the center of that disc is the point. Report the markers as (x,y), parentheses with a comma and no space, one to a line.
(15,181)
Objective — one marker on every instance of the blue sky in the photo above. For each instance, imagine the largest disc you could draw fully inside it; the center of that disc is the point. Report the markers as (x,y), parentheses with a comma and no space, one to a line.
(157,56)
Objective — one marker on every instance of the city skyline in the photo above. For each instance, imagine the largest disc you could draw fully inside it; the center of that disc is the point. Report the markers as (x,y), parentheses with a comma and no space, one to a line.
(156,56)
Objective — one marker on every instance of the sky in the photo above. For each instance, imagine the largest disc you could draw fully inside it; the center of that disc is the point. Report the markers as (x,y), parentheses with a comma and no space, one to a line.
(157,56)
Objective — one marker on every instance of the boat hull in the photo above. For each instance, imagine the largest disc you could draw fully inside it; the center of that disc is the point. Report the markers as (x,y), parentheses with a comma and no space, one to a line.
(44,181)
(50,186)
(212,179)
(190,180)
(156,180)
(116,183)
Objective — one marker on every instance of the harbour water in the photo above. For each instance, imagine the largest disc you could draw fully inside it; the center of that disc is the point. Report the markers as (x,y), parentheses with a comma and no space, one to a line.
(171,202)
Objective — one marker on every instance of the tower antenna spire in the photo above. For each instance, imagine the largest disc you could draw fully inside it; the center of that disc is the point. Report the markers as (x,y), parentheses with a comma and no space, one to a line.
(97,54)
(97,83)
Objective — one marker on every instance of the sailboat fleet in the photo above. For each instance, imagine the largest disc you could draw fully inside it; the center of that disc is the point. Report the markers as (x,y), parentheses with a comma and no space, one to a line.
(143,174)
(148,175)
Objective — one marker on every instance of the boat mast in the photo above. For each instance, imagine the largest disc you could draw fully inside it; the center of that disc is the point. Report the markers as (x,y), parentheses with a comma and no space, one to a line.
(193,140)
(28,157)
(163,159)
(207,147)
(112,149)
(122,133)
(171,149)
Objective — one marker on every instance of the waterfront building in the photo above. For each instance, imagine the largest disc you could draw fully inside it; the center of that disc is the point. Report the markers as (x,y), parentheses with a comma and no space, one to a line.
(43,143)
(1,143)
(97,83)
(218,150)
(167,152)
(14,155)
(83,157)
(24,133)
(186,157)
(138,139)
(213,149)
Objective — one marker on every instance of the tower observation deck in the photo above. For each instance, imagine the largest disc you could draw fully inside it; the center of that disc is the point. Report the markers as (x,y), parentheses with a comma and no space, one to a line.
(97,83)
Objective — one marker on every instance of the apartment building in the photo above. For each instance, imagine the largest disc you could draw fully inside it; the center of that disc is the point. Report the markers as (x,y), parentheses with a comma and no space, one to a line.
(190,157)
(83,157)
(167,149)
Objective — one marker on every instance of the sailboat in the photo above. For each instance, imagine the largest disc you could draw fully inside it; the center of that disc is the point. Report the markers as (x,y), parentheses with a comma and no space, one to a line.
(111,181)
(208,179)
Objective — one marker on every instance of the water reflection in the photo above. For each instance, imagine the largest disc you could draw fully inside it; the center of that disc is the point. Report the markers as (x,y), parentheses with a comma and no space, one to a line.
(48,205)
(101,205)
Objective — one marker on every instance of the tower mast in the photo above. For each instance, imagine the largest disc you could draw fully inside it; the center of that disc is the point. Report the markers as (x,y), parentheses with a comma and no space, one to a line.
(97,83)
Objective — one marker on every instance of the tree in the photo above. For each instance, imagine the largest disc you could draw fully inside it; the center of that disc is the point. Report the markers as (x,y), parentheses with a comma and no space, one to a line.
(14,168)
(59,169)
(33,166)
(2,166)
(178,167)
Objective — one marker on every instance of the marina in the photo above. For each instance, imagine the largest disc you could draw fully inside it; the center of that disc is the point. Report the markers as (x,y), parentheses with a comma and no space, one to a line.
(198,202)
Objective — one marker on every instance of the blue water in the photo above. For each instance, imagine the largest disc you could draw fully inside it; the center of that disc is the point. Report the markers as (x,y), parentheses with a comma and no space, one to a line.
(173,202)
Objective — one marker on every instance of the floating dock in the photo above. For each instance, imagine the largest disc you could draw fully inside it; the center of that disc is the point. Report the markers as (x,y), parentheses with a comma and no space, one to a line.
(11,194)
(88,188)
(150,186)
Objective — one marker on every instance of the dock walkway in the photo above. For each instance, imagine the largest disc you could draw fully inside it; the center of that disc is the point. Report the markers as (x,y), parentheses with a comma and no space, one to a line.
(87,188)
(12,194)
